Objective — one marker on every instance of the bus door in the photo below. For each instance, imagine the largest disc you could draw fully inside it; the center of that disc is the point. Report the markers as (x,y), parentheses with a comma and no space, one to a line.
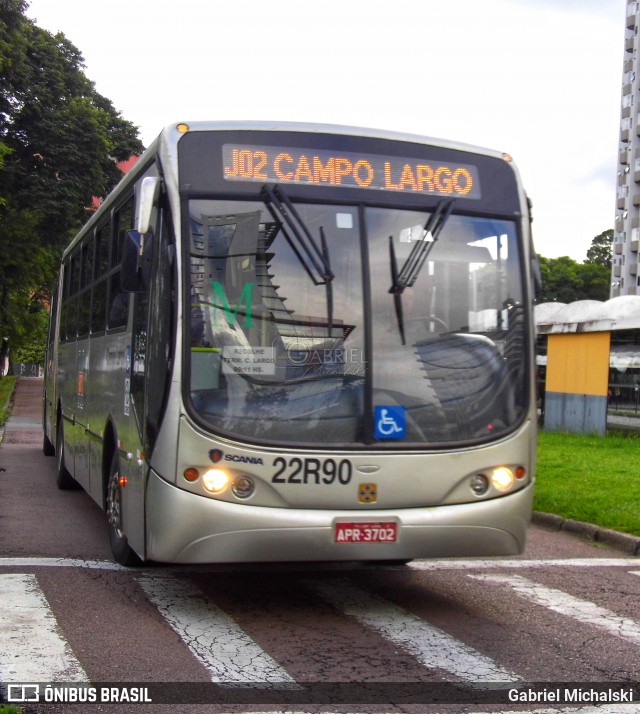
(151,357)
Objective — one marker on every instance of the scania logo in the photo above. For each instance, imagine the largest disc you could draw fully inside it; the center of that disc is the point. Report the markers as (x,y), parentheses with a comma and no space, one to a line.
(215,455)
(244,459)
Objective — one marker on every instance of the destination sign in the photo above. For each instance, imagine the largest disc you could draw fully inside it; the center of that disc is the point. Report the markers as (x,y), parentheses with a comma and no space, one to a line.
(349,170)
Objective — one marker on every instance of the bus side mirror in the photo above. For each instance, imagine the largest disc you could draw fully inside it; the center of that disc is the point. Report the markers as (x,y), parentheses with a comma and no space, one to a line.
(132,279)
(131,275)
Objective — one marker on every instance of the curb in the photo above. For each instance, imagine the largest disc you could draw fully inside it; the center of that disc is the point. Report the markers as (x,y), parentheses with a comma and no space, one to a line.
(621,541)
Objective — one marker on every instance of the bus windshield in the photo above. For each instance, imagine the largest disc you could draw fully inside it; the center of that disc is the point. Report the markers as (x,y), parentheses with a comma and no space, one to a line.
(343,325)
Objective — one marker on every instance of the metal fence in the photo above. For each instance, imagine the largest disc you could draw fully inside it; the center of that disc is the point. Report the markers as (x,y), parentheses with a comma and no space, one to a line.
(24,369)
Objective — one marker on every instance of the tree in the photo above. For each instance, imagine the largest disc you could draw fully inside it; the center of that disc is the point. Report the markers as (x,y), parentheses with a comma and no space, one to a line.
(595,281)
(600,251)
(560,281)
(24,291)
(65,138)
(566,280)
(59,144)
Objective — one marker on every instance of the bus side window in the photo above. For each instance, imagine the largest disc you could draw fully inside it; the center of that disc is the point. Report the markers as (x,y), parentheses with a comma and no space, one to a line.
(100,270)
(64,301)
(99,307)
(123,220)
(118,309)
(72,304)
(86,275)
(118,303)
(101,261)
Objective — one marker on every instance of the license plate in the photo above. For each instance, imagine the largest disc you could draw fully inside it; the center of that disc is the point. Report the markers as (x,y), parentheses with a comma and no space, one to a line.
(358,532)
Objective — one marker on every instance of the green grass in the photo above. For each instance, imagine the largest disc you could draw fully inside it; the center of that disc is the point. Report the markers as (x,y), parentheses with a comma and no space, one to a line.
(590,478)
(9,709)
(7,385)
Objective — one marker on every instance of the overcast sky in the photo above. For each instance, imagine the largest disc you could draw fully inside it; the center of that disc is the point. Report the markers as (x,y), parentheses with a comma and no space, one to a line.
(539,79)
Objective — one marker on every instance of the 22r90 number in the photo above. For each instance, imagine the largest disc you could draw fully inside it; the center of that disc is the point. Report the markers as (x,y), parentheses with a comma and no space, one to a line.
(296,470)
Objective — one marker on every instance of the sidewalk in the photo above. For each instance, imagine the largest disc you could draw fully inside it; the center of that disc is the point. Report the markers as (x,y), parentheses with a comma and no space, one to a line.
(24,426)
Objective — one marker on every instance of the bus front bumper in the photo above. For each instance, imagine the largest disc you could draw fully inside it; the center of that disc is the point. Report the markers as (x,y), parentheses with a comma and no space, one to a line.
(186,528)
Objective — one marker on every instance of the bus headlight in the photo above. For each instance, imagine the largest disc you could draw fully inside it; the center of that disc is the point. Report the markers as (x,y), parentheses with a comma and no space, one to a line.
(215,480)
(502,478)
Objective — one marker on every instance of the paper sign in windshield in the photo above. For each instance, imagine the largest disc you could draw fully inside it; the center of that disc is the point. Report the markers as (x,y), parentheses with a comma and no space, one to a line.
(253,361)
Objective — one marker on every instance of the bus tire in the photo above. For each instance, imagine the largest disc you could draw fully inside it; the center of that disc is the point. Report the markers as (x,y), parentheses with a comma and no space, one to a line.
(64,479)
(122,551)
(48,449)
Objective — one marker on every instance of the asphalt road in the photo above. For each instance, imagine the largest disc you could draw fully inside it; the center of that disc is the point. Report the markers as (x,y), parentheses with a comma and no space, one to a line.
(260,638)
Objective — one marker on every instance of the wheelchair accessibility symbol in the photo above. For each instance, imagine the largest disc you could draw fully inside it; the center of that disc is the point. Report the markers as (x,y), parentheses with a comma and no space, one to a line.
(390,422)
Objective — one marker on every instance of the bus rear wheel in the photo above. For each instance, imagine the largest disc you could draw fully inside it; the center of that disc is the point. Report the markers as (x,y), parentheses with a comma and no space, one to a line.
(122,551)
(48,449)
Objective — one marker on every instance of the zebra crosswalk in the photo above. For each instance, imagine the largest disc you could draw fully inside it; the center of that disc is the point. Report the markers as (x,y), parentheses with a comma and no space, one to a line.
(34,648)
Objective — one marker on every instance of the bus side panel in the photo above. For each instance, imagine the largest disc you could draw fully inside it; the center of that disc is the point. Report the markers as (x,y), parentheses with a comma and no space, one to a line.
(95,391)
(81,437)
(67,397)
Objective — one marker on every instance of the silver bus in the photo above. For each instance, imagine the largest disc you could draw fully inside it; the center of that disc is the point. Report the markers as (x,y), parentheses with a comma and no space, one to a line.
(290,342)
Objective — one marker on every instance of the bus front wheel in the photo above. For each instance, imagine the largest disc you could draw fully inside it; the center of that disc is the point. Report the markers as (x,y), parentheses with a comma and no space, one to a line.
(122,551)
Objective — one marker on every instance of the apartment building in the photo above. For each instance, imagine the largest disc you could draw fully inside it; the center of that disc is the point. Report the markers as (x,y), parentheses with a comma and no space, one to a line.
(625,274)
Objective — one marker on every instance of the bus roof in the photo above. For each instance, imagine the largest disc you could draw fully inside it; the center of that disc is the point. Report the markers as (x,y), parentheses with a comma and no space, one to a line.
(309,127)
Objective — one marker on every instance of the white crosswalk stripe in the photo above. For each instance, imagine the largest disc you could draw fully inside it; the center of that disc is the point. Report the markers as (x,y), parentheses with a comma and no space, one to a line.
(214,638)
(31,646)
(430,645)
(558,601)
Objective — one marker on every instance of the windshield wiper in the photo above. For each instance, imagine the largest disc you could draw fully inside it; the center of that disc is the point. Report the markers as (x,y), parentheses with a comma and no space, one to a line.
(410,271)
(314,258)
(396,289)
